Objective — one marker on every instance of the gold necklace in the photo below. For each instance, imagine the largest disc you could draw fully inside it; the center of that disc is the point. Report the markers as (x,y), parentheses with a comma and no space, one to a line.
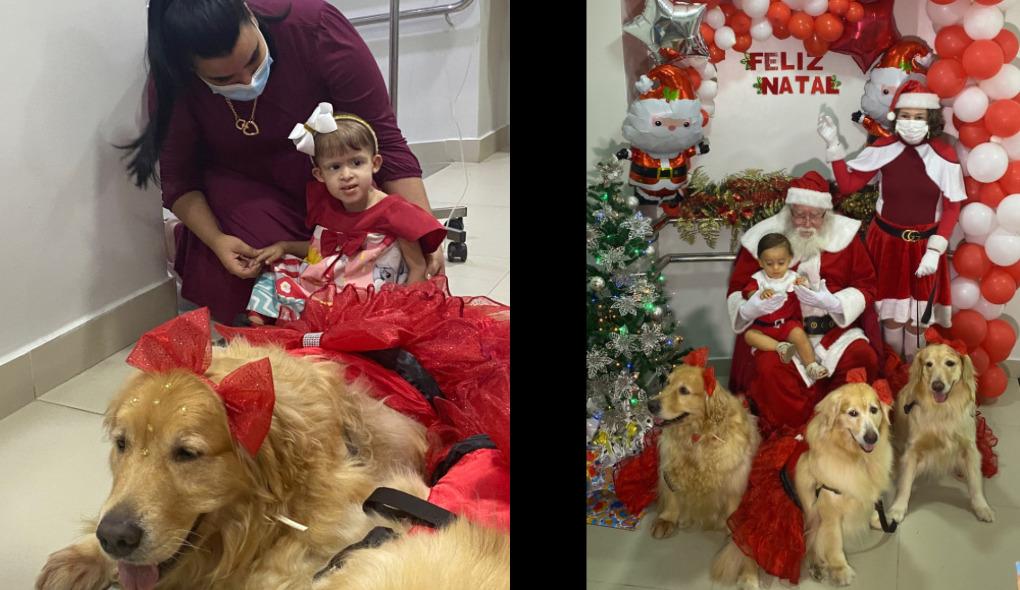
(249,127)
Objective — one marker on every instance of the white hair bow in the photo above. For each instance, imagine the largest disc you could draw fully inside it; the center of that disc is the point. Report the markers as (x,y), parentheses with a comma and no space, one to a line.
(321,121)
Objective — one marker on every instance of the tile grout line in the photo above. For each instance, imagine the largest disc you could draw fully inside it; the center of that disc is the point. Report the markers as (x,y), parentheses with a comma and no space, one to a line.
(60,405)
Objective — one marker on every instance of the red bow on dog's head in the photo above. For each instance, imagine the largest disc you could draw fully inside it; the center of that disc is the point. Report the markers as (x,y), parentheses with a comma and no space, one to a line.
(932,336)
(247,392)
(881,386)
(699,358)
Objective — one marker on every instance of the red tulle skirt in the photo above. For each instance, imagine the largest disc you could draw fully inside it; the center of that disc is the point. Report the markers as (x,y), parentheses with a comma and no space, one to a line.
(768,526)
(462,342)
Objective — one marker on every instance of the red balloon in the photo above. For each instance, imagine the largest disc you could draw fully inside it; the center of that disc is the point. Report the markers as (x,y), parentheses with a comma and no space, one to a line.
(951,41)
(801,25)
(971,261)
(744,43)
(982,59)
(1009,44)
(708,34)
(740,23)
(1013,270)
(715,55)
(946,77)
(974,134)
(991,383)
(728,9)
(828,27)
(815,46)
(839,7)
(979,358)
(1010,181)
(999,339)
(988,2)
(779,14)
(997,286)
(969,326)
(990,194)
(779,31)
(1003,118)
(942,1)
(869,31)
(973,187)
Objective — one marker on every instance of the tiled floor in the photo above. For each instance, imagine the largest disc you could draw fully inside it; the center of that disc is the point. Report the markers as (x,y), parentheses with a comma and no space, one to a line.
(940,545)
(53,453)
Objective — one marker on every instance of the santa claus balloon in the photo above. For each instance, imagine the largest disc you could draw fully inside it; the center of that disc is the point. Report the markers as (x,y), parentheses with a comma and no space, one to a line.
(663,126)
(907,59)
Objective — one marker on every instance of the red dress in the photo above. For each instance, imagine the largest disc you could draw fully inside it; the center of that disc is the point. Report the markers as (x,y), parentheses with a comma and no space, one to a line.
(781,322)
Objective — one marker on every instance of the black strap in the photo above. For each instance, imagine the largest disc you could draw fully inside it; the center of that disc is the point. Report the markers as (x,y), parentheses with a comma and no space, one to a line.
(817,325)
(821,487)
(407,366)
(926,316)
(889,528)
(374,538)
(391,503)
(907,235)
(658,172)
(908,407)
(457,452)
(784,477)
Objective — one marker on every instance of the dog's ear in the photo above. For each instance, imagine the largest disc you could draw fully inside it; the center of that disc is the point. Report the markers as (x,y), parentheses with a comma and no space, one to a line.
(916,369)
(968,376)
(825,416)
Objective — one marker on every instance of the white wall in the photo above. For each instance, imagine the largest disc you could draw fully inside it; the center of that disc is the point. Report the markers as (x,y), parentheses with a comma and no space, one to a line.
(748,131)
(76,236)
(453,81)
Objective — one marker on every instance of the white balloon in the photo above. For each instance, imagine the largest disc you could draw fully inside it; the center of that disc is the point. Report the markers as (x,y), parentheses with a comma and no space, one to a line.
(707,71)
(966,292)
(942,15)
(794,4)
(977,219)
(979,240)
(987,162)
(1012,146)
(738,4)
(756,8)
(816,7)
(962,153)
(982,22)
(954,241)
(990,311)
(1005,84)
(761,30)
(1003,247)
(708,90)
(1007,213)
(725,38)
(970,104)
(708,108)
(715,18)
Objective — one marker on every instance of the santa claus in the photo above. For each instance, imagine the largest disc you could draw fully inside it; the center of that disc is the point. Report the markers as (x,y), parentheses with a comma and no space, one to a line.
(908,59)
(837,304)
(921,191)
(663,125)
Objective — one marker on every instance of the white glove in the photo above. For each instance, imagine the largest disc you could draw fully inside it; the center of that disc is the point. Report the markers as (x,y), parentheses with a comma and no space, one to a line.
(821,298)
(827,130)
(929,263)
(755,306)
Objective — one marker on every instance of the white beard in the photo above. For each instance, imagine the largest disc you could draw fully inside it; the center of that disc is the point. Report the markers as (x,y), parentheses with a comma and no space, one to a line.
(659,141)
(805,247)
(873,102)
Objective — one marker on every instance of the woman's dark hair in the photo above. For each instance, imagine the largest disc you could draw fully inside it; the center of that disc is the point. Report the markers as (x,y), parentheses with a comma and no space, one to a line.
(179,31)
(769,241)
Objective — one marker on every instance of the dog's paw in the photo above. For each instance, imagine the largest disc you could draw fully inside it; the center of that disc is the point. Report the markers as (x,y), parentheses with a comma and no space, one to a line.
(842,575)
(896,514)
(77,567)
(685,523)
(663,529)
(748,584)
(817,571)
(984,513)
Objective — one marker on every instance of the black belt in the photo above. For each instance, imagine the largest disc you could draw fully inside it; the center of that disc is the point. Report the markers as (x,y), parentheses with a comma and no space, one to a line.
(678,172)
(817,325)
(407,366)
(774,324)
(907,235)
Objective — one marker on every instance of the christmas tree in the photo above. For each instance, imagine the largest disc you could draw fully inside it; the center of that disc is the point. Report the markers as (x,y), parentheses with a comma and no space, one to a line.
(631,341)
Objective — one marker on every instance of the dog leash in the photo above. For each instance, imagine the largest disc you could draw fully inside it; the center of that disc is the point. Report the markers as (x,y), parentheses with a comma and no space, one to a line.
(886,527)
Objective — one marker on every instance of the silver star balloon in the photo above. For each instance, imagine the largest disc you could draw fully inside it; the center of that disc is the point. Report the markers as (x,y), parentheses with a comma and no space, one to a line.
(671,26)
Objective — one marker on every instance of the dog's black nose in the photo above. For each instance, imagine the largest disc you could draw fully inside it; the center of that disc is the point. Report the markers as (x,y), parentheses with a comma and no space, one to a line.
(119,533)
(870,437)
(938,385)
(654,406)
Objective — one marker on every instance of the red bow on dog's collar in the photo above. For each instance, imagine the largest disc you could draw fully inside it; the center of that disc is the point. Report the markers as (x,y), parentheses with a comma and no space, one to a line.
(932,336)
(699,358)
(881,386)
(857,375)
(247,392)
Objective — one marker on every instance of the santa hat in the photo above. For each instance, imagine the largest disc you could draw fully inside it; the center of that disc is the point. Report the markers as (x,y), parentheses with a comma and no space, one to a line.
(810,190)
(913,95)
(910,54)
(673,84)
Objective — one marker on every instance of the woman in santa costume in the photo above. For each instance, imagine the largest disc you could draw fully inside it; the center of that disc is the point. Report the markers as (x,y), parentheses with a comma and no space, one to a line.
(921,190)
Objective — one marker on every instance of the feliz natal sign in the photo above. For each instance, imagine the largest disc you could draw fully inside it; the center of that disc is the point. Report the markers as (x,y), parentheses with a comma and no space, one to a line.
(780,61)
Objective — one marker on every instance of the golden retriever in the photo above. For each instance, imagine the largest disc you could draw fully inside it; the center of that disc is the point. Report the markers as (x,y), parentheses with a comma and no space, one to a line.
(837,480)
(935,426)
(705,452)
(192,510)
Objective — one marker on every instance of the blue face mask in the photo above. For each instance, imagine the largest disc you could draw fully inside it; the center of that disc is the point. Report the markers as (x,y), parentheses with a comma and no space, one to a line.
(250,91)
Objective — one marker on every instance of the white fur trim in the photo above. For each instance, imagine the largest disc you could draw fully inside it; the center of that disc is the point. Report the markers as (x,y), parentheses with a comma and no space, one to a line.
(733,303)
(910,310)
(890,116)
(918,100)
(938,243)
(873,158)
(829,357)
(852,301)
(843,231)
(783,285)
(948,176)
(643,84)
(808,197)
(834,153)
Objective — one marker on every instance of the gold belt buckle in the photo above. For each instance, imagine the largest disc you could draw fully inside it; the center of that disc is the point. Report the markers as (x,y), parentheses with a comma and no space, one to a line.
(665,172)
(911,235)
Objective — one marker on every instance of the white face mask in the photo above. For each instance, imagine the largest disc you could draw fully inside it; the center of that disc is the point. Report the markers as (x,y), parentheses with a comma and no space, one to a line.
(912,132)
(250,91)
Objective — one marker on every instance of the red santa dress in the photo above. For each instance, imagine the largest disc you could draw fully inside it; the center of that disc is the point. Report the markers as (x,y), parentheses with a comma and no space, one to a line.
(781,322)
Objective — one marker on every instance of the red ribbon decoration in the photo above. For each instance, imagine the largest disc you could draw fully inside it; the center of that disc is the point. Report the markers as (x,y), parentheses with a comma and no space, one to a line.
(857,375)
(932,336)
(699,358)
(881,387)
(184,343)
(347,243)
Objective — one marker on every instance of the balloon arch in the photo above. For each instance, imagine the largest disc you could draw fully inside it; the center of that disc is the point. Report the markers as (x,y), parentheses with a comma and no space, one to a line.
(972,74)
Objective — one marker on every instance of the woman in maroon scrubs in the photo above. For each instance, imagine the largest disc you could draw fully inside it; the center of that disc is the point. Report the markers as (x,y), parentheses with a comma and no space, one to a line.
(228,81)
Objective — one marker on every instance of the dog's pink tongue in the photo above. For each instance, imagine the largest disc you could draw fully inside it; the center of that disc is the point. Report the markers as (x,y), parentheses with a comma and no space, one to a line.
(137,577)
(941,397)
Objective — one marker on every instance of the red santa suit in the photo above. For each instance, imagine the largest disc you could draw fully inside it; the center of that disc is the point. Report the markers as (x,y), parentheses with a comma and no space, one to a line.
(781,322)
(784,394)
(659,177)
